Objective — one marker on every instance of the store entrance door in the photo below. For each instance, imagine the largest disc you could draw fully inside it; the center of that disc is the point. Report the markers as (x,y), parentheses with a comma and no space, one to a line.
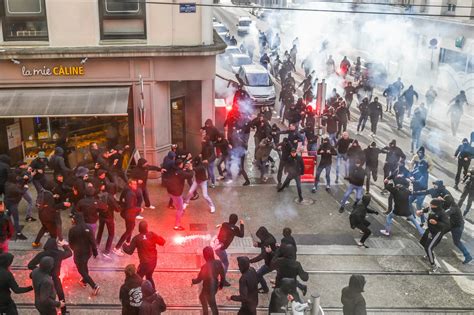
(178,132)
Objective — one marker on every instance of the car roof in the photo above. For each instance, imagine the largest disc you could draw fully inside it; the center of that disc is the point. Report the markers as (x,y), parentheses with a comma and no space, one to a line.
(232,47)
(215,24)
(240,56)
(254,69)
(244,18)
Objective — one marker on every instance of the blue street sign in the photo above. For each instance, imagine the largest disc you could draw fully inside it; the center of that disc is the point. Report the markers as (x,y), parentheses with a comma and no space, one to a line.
(187,8)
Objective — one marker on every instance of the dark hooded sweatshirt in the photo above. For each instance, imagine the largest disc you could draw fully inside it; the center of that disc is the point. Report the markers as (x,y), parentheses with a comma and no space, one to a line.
(266,239)
(8,283)
(352,300)
(51,249)
(210,272)
(286,265)
(131,295)
(227,232)
(152,302)
(141,172)
(248,288)
(6,227)
(145,243)
(279,296)
(401,197)
(439,191)
(81,239)
(57,164)
(45,294)
(357,216)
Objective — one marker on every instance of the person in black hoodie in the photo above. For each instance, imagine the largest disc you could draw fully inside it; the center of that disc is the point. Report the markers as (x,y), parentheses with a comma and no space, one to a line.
(248,288)
(131,295)
(438,225)
(294,168)
(145,244)
(13,193)
(4,170)
(140,173)
(175,187)
(208,155)
(6,229)
(456,226)
(392,160)
(287,266)
(351,298)
(57,163)
(200,179)
(326,151)
(224,147)
(342,145)
(463,154)
(83,244)
(38,166)
(468,192)
(279,298)
(212,277)
(343,116)
(152,302)
(267,246)
(285,148)
(364,114)
(106,217)
(375,112)
(356,182)
(51,249)
(7,285)
(358,221)
(372,163)
(45,294)
(227,232)
(354,154)
(90,207)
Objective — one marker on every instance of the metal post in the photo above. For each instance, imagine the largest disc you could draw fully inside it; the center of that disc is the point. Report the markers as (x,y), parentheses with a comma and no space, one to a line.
(142,114)
(315,303)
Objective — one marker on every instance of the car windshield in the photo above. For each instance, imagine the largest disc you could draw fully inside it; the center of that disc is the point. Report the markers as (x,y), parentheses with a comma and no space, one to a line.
(241,61)
(245,23)
(257,79)
(221,29)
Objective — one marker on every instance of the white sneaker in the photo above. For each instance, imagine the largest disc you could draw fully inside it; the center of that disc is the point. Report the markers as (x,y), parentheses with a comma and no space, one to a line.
(139,217)
(384,232)
(185,205)
(118,252)
(213,209)
(151,207)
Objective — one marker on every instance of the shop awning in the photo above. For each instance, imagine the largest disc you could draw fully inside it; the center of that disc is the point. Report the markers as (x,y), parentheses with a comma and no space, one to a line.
(64,102)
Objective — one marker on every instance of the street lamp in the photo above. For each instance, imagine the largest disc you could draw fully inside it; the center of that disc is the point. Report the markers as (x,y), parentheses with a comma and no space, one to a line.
(433,46)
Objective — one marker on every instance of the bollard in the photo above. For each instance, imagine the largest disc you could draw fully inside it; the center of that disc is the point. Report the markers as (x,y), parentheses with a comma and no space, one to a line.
(315,302)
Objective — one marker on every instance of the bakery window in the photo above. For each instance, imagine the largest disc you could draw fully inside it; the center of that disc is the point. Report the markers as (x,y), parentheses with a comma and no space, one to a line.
(24,20)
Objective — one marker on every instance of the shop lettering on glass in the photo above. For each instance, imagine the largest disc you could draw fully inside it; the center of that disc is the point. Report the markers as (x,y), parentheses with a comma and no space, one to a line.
(59,71)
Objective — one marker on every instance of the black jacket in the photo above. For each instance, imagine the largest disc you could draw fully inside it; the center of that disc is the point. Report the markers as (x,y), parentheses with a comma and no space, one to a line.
(266,239)
(4,170)
(248,287)
(176,179)
(200,172)
(57,164)
(6,227)
(456,219)
(51,249)
(279,296)
(342,145)
(223,146)
(48,207)
(326,157)
(400,198)
(210,273)
(394,154)
(352,300)
(357,176)
(355,153)
(372,157)
(113,205)
(330,121)
(152,302)
(208,152)
(443,224)
(286,265)
(81,239)
(343,114)
(45,294)
(364,109)
(141,172)
(145,244)
(90,207)
(130,203)
(357,216)
(8,282)
(39,164)
(13,192)
(131,295)
(227,232)
(375,110)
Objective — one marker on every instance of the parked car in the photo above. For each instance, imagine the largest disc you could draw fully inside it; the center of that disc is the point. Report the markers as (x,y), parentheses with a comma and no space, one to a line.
(257,82)
(238,60)
(243,26)
(221,30)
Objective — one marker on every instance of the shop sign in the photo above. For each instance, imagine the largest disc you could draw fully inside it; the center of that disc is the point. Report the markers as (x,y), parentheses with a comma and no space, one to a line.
(187,8)
(58,71)
(14,135)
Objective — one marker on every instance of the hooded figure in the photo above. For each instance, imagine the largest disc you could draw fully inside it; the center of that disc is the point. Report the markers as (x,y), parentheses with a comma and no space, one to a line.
(286,266)
(357,218)
(4,169)
(464,153)
(131,291)
(45,294)
(8,284)
(140,173)
(57,163)
(209,275)
(145,243)
(352,300)
(248,288)
(152,302)
(279,298)
(267,246)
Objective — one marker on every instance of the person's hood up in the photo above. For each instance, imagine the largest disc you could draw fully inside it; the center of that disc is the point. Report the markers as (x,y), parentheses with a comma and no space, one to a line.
(288,251)
(90,191)
(357,283)
(171,155)
(209,122)
(82,171)
(366,200)
(5,159)
(141,162)
(147,289)
(244,263)
(373,145)
(262,233)
(393,142)
(208,253)
(143,227)
(46,264)
(421,150)
(448,201)
(465,142)
(51,244)
(6,260)
(439,183)
(48,185)
(59,151)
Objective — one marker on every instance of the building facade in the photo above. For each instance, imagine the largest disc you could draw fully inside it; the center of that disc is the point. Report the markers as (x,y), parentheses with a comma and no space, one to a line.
(107,71)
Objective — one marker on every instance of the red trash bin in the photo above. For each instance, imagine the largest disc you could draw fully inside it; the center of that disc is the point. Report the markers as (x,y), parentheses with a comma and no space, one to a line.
(309,165)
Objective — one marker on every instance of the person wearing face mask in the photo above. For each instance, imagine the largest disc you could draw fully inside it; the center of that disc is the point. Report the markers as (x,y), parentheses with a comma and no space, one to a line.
(467,192)
(330,121)
(342,145)
(364,114)
(356,183)
(355,153)
(326,151)
(375,112)
(294,166)
(394,155)
(463,155)
(438,225)
(456,221)
(248,288)
(372,163)
(343,116)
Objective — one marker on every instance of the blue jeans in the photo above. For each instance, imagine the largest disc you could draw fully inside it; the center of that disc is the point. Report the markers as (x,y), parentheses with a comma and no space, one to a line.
(343,157)
(359,191)
(412,219)
(319,170)
(13,212)
(210,170)
(362,122)
(419,205)
(415,138)
(205,195)
(456,234)
(29,200)
(178,203)
(332,138)
(222,254)
(260,273)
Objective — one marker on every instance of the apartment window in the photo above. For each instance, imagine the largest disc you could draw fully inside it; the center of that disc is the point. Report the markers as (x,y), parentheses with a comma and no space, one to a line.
(122,19)
(24,20)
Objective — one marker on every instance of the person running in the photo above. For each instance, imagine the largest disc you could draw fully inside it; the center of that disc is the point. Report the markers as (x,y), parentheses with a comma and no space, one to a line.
(400,107)
(375,112)
(294,168)
(326,151)
(145,244)
(131,295)
(430,98)
(267,245)
(463,154)
(200,180)
(364,114)
(356,183)
(43,285)
(358,220)
(224,148)
(287,266)
(212,277)
(248,288)
(372,163)
(83,244)
(352,299)
(8,285)
(467,192)
(14,191)
(106,217)
(175,186)
(456,221)
(227,232)
(140,173)
(342,145)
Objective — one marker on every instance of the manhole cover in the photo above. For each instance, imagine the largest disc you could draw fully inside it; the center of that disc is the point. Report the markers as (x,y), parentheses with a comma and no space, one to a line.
(198,227)
(305,202)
